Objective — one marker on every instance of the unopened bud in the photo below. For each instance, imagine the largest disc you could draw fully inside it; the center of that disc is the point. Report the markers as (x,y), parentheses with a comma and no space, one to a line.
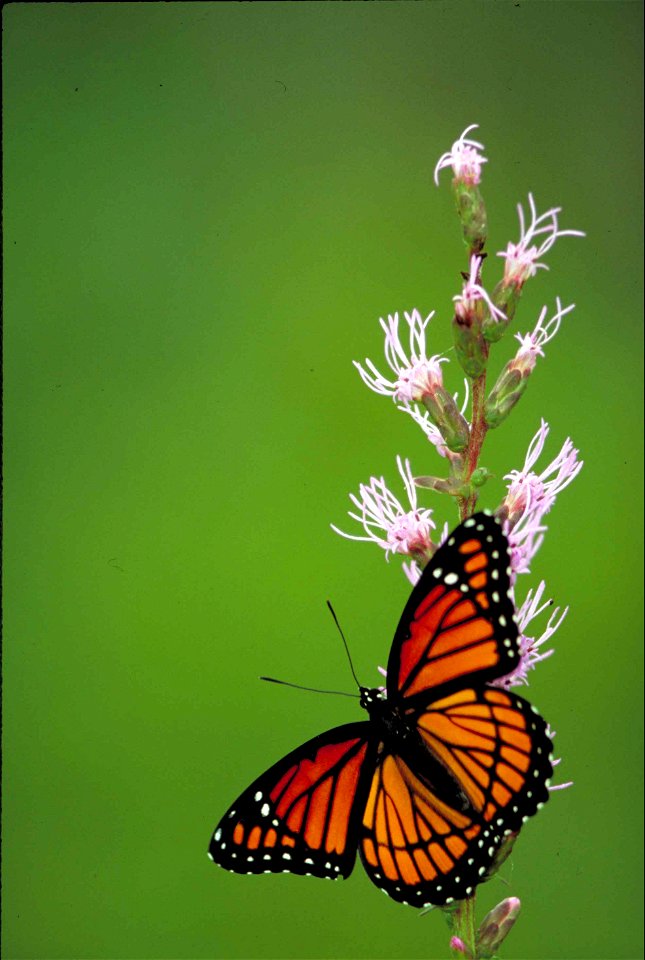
(495,927)
(471,350)
(510,386)
(480,476)
(458,945)
(445,415)
(472,213)
(450,485)
(506,300)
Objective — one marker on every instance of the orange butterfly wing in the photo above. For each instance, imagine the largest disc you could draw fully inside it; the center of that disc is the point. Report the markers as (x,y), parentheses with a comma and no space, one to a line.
(301,816)
(414,846)
(459,624)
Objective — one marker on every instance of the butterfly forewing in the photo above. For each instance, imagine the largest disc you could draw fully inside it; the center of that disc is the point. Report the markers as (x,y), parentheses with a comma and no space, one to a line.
(417,848)
(301,816)
(458,625)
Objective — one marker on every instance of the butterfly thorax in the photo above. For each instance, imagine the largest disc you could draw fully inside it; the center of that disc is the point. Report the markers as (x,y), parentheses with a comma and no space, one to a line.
(398,733)
(388,718)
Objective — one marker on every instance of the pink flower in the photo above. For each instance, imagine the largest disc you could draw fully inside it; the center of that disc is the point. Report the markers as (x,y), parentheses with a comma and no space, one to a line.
(387,522)
(535,241)
(457,944)
(413,570)
(531,343)
(531,495)
(530,652)
(536,493)
(464,158)
(466,301)
(416,374)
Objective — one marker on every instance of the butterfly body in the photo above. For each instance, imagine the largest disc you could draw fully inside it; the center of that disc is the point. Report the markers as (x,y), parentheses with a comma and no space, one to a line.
(445,766)
(387,719)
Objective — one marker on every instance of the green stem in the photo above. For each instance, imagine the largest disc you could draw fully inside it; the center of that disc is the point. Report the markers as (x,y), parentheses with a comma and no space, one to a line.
(463,925)
(472,453)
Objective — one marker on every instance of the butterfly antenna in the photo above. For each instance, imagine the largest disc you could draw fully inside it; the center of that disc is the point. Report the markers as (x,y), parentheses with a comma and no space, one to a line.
(297,686)
(349,656)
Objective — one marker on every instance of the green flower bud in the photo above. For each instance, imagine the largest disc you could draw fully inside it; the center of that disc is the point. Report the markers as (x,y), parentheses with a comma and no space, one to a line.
(480,476)
(470,347)
(445,415)
(506,299)
(450,485)
(510,386)
(472,213)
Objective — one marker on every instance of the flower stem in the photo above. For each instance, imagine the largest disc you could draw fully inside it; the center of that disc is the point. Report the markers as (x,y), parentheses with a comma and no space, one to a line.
(462,922)
(471,455)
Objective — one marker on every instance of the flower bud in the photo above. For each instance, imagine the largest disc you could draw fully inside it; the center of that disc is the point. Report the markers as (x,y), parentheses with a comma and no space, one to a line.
(471,350)
(506,300)
(458,945)
(495,927)
(510,386)
(480,476)
(472,213)
(445,414)
(472,306)
(450,485)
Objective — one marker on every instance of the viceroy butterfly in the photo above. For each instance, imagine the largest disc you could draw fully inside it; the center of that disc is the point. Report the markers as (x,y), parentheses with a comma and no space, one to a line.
(445,767)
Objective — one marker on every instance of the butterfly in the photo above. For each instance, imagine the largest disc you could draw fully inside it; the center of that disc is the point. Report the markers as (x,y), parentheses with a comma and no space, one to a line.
(444,768)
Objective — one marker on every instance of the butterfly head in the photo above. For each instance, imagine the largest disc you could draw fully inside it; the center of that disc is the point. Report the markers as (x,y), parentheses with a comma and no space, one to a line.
(371,697)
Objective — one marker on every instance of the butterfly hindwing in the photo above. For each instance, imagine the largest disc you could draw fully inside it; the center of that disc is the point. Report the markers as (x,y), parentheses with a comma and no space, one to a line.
(496,747)
(302,815)
(414,846)
(459,623)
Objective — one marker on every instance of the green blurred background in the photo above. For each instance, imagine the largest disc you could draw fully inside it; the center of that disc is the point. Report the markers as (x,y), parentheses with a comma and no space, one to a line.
(207,209)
